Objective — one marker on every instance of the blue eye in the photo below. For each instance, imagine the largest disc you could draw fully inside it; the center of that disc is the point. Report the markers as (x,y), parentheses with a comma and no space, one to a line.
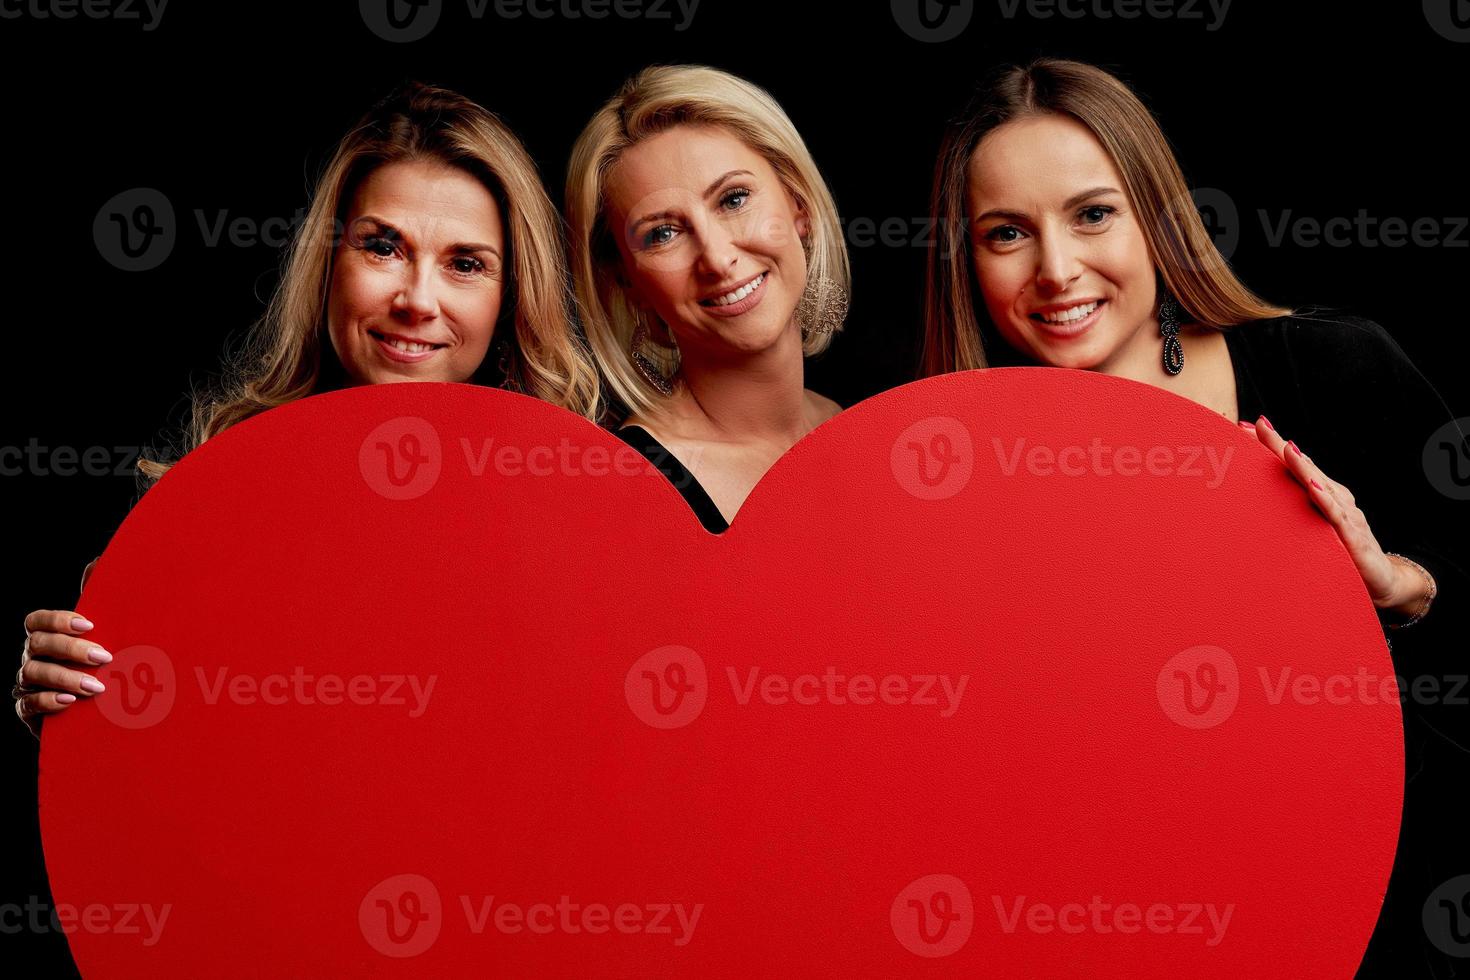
(739,192)
(661,235)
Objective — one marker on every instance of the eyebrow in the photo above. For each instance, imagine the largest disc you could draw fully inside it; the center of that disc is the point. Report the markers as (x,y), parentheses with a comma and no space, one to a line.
(724,177)
(464,247)
(708,191)
(459,248)
(1067,205)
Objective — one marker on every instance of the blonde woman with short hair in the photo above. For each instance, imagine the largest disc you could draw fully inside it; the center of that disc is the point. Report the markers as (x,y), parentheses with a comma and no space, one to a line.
(707,261)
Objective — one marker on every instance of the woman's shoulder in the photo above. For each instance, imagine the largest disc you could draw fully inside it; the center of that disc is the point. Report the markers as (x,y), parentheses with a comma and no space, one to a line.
(1317,328)
(1341,365)
(1322,347)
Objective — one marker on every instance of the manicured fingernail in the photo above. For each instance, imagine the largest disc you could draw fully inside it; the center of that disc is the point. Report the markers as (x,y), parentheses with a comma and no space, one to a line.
(92,685)
(1268,423)
(65,698)
(99,656)
(1315,484)
(1246,425)
(80,625)
(1294,448)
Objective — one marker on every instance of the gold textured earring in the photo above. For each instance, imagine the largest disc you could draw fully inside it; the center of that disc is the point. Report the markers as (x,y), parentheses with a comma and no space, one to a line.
(650,371)
(823,304)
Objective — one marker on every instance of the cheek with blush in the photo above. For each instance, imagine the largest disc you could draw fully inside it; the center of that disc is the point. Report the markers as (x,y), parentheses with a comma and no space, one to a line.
(351,304)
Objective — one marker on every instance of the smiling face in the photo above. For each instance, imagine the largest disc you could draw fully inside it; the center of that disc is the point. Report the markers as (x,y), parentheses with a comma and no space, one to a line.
(710,240)
(1058,252)
(417,280)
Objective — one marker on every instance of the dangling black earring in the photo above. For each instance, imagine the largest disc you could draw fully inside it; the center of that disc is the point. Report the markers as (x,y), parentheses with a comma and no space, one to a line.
(1170,316)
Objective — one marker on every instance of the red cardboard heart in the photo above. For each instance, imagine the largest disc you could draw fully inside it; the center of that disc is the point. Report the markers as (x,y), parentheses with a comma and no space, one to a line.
(1013,673)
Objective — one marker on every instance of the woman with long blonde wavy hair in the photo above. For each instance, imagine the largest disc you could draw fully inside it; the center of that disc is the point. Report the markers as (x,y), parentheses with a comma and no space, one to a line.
(430,252)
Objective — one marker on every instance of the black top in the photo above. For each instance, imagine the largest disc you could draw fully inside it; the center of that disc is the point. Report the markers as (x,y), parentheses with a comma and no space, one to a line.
(668,464)
(1345,392)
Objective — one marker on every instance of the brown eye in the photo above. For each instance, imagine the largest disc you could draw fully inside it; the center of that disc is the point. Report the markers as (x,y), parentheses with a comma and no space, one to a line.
(379,246)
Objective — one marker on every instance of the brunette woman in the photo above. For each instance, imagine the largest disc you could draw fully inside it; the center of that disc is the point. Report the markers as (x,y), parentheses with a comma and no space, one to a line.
(1071,240)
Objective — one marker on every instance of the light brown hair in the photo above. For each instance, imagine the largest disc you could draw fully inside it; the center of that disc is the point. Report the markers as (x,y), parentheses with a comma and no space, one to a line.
(1188,263)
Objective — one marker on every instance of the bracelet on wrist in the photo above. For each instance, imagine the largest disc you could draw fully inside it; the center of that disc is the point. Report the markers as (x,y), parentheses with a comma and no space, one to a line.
(1431,589)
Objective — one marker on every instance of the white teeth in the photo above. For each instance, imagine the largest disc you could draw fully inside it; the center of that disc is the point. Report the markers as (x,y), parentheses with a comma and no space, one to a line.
(740,293)
(408,348)
(1070,316)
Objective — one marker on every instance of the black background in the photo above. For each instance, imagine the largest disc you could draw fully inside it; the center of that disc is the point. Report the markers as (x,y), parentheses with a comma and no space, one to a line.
(228,110)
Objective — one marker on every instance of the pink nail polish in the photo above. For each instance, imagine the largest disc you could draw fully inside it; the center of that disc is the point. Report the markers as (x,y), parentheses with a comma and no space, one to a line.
(92,685)
(1315,484)
(99,656)
(65,698)
(1294,448)
(1246,425)
(1268,423)
(80,625)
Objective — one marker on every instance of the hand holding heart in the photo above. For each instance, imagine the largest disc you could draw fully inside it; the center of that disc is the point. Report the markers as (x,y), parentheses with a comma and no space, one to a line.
(1392,584)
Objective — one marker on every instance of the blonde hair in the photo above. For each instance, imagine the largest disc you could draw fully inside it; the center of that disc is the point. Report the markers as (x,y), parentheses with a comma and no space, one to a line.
(1191,267)
(282,358)
(654,101)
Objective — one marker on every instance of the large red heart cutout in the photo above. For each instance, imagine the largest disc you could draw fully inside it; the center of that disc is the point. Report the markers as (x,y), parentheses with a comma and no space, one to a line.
(1014,673)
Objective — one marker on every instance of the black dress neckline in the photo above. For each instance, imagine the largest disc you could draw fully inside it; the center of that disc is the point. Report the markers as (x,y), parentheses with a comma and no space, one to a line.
(678,474)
